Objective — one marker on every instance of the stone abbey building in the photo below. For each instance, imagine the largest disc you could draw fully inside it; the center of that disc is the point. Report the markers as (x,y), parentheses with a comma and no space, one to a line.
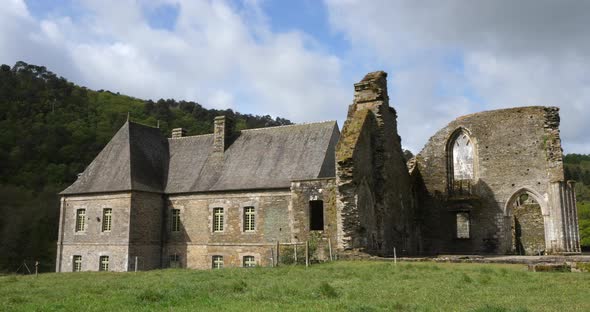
(488,183)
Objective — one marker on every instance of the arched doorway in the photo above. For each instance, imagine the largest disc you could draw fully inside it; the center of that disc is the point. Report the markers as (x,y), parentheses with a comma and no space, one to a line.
(528,225)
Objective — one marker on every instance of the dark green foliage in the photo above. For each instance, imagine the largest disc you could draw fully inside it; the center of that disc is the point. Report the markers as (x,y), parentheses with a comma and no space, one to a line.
(51,129)
(577,167)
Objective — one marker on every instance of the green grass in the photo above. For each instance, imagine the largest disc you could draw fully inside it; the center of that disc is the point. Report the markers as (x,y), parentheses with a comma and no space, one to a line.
(338,286)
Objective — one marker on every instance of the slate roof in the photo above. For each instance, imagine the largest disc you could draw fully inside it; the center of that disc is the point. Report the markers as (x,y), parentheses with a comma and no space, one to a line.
(136,158)
(140,158)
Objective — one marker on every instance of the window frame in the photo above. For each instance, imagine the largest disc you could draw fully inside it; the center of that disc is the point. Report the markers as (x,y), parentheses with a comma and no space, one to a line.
(467,216)
(175,220)
(218,225)
(174,258)
(76,263)
(80,224)
(217,262)
(249,261)
(103,263)
(107,220)
(249,219)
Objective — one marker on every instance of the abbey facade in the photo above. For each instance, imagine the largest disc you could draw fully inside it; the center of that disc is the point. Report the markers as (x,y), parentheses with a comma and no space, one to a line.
(488,183)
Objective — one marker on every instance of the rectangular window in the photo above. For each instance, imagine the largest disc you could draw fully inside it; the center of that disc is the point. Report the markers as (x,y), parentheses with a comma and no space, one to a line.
(77,264)
(107,217)
(104,263)
(316,215)
(174,261)
(249,261)
(217,219)
(249,219)
(80,220)
(175,220)
(217,262)
(463,225)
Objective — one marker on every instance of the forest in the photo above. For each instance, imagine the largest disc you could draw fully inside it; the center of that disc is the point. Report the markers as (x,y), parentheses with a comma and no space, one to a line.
(51,129)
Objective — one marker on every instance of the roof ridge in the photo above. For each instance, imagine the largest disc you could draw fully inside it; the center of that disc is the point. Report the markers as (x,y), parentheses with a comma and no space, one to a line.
(141,124)
(293,125)
(191,136)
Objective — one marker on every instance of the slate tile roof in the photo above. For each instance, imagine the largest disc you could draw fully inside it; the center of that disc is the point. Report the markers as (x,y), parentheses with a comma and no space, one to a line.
(139,158)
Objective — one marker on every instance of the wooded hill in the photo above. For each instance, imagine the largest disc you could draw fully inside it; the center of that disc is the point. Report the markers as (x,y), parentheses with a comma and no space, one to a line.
(50,130)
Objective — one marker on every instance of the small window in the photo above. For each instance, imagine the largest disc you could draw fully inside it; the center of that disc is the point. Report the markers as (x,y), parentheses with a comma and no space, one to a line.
(175,220)
(217,262)
(249,261)
(77,264)
(217,219)
(249,219)
(80,220)
(104,263)
(316,215)
(107,217)
(463,225)
(174,261)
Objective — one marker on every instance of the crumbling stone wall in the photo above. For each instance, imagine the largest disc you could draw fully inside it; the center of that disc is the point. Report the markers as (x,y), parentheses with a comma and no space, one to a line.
(375,201)
(515,150)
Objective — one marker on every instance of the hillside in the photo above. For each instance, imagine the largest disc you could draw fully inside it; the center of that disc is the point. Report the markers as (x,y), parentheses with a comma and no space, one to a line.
(51,129)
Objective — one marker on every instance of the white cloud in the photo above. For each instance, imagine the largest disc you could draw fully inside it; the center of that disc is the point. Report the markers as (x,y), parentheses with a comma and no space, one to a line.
(221,55)
(481,54)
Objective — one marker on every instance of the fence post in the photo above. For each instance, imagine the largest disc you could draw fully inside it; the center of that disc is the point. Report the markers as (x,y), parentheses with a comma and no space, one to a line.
(394,256)
(296,253)
(272,258)
(135,263)
(330,248)
(278,251)
(36,268)
(306,253)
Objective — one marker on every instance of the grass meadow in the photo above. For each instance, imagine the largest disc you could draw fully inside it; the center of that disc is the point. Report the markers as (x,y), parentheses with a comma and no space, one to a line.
(337,286)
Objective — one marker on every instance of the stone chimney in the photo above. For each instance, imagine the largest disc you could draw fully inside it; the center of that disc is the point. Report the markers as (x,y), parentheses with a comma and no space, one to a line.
(222,130)
(178,133)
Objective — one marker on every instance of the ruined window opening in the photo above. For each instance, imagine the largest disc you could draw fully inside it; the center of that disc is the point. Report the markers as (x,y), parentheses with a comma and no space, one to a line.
(316,215)
(104,263)
(249,219)
(77,263)
(463,225)
(175,220)
(107,216)
(217,219)
(174,261)
(217,262)
(80,220)
(249,261)
(461,163)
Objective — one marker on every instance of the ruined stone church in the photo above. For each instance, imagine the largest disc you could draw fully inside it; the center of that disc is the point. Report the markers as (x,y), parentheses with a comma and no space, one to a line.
(488,183)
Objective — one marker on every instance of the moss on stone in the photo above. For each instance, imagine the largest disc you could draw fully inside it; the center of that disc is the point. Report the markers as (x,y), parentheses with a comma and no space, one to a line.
(350,134)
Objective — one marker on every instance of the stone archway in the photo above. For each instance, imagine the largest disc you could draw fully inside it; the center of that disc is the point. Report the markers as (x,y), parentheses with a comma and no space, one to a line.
(528,224)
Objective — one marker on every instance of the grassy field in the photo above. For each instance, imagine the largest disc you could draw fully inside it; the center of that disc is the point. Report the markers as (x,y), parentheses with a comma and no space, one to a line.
(337,286)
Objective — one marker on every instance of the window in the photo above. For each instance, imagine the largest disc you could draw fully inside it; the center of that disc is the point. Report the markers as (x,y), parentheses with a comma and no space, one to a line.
(217,219)
(174,261)
(249,261)
(77,264)
(249,219)
(463,225)
(107,215)
(217,262)
(80,220)
(462,158)
(104,263)
(316,215)
(175,220)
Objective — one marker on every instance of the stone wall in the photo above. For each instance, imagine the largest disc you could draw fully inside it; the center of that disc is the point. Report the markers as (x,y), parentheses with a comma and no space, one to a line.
(93,242)
(375,200)
(196,242)
(515,150)
(145,234)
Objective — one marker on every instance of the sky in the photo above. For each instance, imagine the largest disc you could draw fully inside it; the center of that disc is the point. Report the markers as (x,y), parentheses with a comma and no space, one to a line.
(299,59)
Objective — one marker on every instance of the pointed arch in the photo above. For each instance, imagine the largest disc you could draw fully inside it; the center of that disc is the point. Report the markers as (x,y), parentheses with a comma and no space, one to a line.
(529,191)
(461,152)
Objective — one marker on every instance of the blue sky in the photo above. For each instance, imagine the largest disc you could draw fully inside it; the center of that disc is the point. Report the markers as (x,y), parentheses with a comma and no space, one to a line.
(300,59)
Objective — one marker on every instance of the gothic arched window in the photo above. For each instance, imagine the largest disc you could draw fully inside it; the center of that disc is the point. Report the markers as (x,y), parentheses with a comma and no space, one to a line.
(461,162)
